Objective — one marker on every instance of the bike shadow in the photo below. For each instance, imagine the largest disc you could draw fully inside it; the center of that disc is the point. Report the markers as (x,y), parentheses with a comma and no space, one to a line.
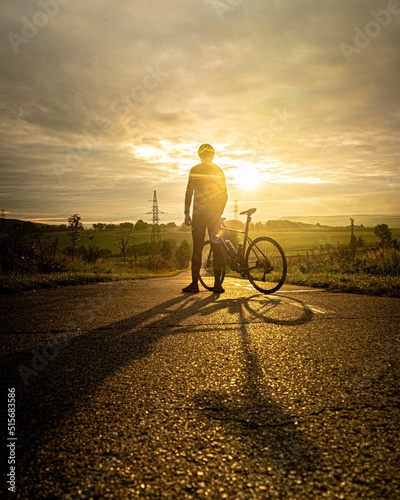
(80,365)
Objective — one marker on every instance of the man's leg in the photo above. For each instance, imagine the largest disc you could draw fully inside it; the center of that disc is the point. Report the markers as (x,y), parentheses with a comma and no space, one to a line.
(213,230)
(198,233)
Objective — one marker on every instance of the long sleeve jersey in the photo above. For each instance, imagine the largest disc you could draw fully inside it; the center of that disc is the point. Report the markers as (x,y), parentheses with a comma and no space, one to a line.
(207,186)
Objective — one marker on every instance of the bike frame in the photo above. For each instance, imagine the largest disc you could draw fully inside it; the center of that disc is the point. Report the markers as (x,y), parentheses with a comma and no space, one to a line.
(246,239)
(261,260)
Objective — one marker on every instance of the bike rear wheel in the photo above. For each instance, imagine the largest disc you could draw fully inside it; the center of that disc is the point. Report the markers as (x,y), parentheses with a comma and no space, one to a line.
(266,265)
(206,276)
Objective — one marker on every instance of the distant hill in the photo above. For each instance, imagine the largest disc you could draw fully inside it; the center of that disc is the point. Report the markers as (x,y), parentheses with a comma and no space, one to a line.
(393,221)
(290,225)
(30,227)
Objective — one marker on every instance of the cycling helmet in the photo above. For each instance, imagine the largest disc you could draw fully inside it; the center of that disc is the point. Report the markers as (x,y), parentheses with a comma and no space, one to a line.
(206,150)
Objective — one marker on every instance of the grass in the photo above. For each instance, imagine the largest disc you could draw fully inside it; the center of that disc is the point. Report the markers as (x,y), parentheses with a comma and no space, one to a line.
(350,283)
(374,271)
(307,266)
(369,272)
(292,241)
(17,283)
(386,286)
(365,284)
(108,239)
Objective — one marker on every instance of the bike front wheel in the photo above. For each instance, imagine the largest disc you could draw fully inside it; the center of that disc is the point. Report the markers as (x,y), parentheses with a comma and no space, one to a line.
(266,265)
(206,276)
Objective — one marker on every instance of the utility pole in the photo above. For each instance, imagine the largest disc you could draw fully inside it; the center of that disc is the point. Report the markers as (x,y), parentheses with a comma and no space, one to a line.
(235,210)
(3,213)
(353,239)
(155,230)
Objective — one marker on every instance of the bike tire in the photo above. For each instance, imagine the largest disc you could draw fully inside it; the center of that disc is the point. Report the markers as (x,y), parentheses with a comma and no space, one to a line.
(266,265)
(206,275)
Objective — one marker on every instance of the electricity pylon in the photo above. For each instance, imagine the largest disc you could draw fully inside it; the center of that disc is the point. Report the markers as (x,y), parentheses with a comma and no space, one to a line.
(155,230)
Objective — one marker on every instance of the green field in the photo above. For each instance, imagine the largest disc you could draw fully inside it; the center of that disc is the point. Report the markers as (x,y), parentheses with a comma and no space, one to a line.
(108,239)
(292,241)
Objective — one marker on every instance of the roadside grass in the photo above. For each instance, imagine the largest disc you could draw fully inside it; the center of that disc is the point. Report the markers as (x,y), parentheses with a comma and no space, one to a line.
(373,272)
(12,283)
(64,272)
(365,284)
(386,286)
(369,272)
(315,258)
(362,283)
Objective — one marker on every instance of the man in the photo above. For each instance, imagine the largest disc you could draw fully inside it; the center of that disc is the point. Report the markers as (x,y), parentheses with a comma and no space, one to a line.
(207,186)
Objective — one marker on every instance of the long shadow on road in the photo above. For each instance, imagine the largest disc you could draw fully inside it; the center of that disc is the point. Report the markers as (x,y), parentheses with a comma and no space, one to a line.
(75,368)
(260,420)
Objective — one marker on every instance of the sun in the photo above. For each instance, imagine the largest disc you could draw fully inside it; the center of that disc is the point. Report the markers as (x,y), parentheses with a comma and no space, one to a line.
(246,176)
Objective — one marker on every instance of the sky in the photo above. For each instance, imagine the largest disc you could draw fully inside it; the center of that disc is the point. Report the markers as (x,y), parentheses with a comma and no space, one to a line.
(104,102)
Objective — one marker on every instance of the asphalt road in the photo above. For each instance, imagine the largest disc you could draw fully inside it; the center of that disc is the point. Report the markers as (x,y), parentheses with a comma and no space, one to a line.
(135,390)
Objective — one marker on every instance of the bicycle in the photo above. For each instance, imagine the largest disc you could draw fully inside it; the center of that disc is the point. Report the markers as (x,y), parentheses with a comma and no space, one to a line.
(262,260)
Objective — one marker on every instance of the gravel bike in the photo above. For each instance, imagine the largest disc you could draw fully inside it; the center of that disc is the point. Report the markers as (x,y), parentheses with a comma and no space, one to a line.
(262,260)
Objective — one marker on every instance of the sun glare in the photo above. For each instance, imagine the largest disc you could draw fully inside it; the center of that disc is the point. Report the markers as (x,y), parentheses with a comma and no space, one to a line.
(246,176)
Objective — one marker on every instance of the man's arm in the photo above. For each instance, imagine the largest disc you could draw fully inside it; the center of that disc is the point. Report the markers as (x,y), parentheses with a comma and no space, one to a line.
(224,193)
(188,200)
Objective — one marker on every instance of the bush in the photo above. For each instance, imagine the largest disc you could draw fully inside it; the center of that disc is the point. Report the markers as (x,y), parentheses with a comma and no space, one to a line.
(341,259)
(183,255)
(24,253)
(156,262)
(381,262)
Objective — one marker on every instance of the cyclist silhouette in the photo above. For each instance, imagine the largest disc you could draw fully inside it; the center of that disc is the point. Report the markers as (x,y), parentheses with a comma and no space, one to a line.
(207,187)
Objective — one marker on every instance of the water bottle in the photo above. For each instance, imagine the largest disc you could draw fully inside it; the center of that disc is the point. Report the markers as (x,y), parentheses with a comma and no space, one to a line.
(239,253)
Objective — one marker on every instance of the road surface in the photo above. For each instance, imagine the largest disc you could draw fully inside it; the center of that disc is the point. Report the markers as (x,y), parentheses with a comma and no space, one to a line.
(135,390)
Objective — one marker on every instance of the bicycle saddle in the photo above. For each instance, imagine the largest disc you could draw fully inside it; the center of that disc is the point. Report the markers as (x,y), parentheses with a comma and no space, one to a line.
(250,211)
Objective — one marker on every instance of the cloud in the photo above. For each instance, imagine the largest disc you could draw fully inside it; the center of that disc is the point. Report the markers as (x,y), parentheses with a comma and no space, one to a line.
(106,96)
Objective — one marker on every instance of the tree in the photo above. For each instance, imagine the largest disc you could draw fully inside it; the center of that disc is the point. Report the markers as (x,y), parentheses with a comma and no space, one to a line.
(93,251)
(182,255)
(167,249)
(123,239)
(235,224)
(75,227)
(141,226)
(384,234)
